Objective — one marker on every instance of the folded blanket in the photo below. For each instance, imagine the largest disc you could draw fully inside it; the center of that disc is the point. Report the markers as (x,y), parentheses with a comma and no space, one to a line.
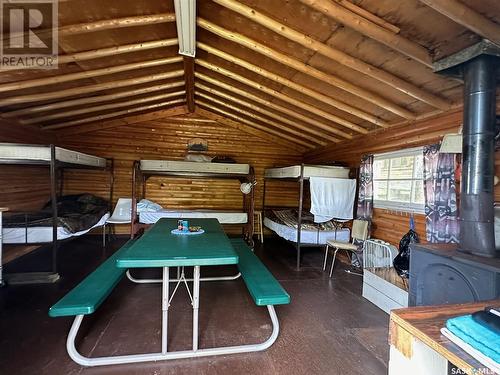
(479,337)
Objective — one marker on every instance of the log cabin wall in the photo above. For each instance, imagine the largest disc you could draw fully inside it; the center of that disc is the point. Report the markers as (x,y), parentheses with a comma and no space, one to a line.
(391,225)
(167,139)
(24,187)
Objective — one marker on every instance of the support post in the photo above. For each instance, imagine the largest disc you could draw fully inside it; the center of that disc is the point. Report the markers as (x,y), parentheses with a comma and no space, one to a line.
(299,224)
(53,197)
(135,170)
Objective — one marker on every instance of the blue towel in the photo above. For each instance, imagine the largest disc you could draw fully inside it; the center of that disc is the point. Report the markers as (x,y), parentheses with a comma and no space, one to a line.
(476,335)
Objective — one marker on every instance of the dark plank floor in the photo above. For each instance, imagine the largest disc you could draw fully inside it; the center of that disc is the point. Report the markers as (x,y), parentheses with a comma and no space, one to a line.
(327,329)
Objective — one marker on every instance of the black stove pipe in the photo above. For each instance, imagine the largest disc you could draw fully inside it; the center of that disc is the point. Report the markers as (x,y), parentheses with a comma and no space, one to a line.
(478,168)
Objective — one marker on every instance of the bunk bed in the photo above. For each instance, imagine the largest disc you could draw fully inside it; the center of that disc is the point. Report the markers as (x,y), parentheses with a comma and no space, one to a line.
(145,169)
(47,226)
(297,226)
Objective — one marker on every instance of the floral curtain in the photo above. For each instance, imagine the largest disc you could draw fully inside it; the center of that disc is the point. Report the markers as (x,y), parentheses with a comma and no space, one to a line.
(441,214)
(365,194)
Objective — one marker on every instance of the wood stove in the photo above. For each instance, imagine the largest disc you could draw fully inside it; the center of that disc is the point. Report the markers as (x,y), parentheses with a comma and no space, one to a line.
(469,271)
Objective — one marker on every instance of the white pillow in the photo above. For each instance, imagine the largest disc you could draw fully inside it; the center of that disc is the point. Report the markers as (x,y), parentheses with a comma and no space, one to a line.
(198,157)
(145,205)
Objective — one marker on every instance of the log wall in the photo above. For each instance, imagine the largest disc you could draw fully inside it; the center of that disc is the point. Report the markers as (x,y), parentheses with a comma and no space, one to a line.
(390,225)
(167,139)
(23,187)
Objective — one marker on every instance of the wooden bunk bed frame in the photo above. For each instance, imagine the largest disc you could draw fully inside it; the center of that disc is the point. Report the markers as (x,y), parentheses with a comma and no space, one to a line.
(57,159)
(140,176)
(298,175)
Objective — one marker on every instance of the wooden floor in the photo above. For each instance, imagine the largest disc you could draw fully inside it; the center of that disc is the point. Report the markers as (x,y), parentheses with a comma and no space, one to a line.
(327,329)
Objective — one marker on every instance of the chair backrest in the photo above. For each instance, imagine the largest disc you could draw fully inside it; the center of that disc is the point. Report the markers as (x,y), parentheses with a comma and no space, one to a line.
(123,209)
(359,230)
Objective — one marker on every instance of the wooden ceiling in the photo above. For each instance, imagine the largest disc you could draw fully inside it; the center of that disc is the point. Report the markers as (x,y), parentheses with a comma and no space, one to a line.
(303,73)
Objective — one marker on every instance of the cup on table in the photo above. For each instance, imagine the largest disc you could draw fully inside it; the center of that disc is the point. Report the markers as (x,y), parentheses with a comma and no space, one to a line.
(185,226)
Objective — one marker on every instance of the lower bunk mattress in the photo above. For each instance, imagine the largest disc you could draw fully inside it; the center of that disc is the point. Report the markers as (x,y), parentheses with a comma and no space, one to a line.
(33,235)
(224,217)
(307,236)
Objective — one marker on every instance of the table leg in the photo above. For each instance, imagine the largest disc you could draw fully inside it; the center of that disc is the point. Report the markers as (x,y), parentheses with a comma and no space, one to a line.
(196,305)
(164,307)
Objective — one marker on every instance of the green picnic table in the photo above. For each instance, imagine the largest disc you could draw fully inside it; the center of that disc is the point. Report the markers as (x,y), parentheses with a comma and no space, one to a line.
(159,248)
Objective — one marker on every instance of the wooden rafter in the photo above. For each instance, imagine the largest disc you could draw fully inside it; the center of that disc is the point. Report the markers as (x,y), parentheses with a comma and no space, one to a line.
(294,86)
(278,128)
(18,85)
(317,111)
(30,98)
(312,133)
(102,25)
(369,16)
(267,103)
(90,100)
(189,80)
(223,118)
(117,50)
(467,17)
(306,69)
(336,55)
(129,120)
(113,114)
(370,29)
(103,107)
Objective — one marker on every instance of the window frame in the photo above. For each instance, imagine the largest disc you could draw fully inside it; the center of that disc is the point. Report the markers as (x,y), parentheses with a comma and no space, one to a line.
(399,206)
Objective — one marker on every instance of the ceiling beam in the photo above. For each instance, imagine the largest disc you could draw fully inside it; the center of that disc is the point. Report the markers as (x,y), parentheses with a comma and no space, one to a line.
(102,25)
(311,134)
(116,23)
(211,113)
(342,58)
(19,85)
(280,129)
(306,69)
(90,100)
(315,110)
(196,120)
(267,103)
(369,16)
(111,115)
(116,50)
(467,17)
(189,80)
(30,98)
(103,107)
(294,86)
(370,29)
(129,120)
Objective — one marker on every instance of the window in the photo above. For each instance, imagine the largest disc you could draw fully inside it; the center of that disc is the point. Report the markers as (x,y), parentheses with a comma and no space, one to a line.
(398,180)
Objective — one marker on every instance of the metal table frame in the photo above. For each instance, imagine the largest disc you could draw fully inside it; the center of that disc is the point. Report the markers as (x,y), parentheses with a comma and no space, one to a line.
(164,354)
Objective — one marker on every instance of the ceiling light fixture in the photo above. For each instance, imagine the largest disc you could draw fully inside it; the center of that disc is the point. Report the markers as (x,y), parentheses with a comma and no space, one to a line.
(185,17)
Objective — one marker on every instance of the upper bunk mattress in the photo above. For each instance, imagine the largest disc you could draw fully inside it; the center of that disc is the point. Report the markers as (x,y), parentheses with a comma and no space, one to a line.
(309,171)
(12,152)
(224,217)
(192,167)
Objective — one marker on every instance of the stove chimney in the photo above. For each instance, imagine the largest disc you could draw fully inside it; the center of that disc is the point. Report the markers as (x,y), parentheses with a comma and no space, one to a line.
(477,235)
(477,66)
